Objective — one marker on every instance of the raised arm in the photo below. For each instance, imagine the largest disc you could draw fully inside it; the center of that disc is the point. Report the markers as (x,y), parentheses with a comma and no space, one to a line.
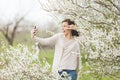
(44,41)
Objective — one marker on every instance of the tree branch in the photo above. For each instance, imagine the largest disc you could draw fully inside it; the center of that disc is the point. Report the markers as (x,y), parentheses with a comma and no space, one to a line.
(114,5)
(106,6)
(94,22)
(99,11)
(15,27)
(79,5)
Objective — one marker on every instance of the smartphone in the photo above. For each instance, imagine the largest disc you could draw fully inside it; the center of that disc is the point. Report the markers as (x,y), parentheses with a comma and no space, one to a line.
(34,27)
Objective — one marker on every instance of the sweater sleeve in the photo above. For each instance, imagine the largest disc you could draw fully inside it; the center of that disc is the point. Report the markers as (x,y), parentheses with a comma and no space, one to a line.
(79,60)
(47,41)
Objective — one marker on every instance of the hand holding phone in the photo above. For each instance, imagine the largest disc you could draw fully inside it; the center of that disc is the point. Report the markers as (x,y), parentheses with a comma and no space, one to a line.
(33,32)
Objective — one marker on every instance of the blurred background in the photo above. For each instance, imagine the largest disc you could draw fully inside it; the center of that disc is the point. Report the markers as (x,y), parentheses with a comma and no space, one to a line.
(18,17)
(98,22)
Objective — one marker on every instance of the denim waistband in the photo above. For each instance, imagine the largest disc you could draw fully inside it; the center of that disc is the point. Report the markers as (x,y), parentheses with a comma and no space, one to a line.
(65,70)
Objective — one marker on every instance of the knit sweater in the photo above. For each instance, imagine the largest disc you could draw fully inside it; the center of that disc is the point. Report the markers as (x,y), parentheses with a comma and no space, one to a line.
(66,52)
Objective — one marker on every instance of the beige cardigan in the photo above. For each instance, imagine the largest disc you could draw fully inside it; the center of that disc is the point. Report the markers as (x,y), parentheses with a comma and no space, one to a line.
(66,52)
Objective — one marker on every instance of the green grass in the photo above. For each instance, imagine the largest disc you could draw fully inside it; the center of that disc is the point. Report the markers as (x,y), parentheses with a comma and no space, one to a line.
(48,55)
(2,38)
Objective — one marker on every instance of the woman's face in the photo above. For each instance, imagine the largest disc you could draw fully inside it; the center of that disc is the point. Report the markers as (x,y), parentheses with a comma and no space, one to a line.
(65,29)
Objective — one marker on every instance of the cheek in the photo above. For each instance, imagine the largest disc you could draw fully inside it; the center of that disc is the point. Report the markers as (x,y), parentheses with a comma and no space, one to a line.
(63,28)
(66,30)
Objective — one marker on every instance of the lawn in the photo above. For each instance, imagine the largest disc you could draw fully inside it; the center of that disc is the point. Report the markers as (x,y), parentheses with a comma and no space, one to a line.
(48,55)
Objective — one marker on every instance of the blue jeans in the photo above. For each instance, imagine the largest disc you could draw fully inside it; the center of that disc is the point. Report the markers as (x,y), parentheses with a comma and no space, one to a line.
(70,73)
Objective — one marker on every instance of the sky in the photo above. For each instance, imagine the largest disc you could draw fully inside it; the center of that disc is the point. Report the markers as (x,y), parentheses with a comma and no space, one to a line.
(11,8)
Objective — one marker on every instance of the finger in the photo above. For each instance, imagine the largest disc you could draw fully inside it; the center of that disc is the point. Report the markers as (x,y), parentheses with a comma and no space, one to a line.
(67,28)
(74,27)
(34,27)
(34,32)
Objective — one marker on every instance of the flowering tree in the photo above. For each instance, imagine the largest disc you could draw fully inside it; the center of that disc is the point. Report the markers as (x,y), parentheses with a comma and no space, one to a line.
(98,22)
(22,64)
(9,29)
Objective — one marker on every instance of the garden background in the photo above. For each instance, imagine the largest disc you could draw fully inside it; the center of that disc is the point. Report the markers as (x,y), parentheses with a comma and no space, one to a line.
(98,22)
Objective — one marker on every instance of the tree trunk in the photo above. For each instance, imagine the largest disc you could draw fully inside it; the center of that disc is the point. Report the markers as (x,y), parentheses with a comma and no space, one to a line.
(10,41)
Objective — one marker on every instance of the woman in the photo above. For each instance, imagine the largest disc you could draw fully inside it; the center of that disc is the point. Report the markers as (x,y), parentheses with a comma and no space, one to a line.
(67,52)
